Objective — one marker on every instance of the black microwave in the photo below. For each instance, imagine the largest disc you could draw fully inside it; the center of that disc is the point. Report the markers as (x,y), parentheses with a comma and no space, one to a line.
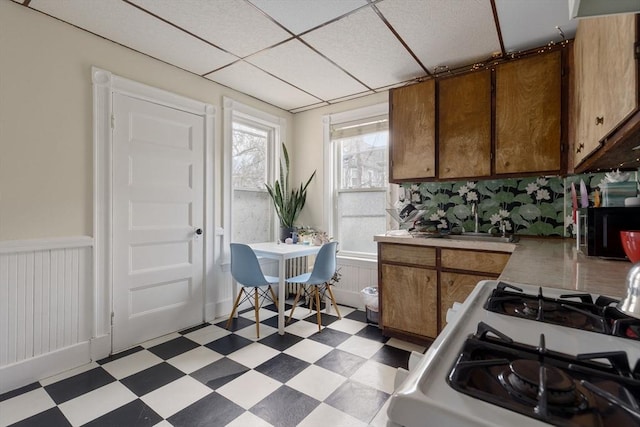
(599,230)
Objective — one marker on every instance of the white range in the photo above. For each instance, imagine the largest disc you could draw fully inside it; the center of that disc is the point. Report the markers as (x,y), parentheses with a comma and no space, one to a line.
(426,397)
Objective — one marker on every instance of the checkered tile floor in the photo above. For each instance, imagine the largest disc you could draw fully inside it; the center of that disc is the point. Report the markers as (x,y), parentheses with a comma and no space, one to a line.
(210,376)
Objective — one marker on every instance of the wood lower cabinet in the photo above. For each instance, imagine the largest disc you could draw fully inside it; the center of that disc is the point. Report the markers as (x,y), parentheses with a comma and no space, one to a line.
(461,270)
(418,284)
(412,132)
(411,303)
(463,259)
(464,125)
(528,114)
(456,287)
(408,290)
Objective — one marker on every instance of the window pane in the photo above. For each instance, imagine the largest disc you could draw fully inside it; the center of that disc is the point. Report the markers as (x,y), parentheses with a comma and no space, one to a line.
(363,161)
(251,220)
(249,163)
(251,205)
(360,216)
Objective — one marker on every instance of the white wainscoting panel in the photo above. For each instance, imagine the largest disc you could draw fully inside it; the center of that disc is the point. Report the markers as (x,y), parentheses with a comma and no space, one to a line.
(45,299)
(357,274)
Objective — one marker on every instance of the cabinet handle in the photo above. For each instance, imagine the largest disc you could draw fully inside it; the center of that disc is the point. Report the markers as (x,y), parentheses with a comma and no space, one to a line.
(450,282)
(599,120)
(580,148)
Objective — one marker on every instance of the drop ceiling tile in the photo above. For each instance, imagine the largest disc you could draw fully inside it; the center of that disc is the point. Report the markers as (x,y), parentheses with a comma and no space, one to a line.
(526,24)
(302,15)
(444,33)
(248,79)
(129,26)
(297,64)
(362,44)
(233,25)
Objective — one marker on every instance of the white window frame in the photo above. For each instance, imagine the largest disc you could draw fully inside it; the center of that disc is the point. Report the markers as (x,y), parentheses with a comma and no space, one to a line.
(332,169)
(231,109)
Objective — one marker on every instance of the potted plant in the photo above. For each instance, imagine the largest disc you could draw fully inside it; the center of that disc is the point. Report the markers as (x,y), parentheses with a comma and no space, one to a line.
(287,201)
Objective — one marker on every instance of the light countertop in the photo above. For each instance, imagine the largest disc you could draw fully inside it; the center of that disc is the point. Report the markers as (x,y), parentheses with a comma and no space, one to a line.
(546,262)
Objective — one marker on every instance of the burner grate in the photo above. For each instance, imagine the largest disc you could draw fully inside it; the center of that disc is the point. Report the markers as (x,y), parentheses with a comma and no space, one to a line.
(577,311)
(554,387)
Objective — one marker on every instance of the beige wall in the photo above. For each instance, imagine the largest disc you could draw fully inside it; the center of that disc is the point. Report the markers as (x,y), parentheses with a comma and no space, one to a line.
(308,155)
(46,166)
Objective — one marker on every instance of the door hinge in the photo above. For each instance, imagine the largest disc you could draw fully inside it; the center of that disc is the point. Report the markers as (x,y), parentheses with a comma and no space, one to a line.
(112,316)
(113,121)
(636,50)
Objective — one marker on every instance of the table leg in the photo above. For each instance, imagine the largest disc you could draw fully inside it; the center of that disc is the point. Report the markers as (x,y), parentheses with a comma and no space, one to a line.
(281,285)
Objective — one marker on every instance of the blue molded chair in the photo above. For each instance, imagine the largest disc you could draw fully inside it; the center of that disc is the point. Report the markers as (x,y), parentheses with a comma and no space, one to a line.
(246,271)
(318,282)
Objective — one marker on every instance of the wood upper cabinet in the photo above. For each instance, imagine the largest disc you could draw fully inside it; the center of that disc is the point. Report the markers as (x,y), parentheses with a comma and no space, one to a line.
(412,132)
(605,79)
(482,123)
(464,125)
(528,114)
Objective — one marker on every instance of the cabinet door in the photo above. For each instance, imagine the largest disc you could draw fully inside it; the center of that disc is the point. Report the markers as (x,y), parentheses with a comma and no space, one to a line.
(408,298)
(528,114)
(464,126)
(456,287)
(605,80)
(412,132)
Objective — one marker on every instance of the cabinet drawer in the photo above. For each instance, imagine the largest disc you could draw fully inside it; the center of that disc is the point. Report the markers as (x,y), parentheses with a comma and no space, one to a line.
(485,262)
(407,254)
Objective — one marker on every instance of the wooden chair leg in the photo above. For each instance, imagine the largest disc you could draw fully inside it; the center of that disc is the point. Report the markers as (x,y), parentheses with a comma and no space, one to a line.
(318,315)
(235,307)
(333,301)
(273,296)
(257,308)
(295,303)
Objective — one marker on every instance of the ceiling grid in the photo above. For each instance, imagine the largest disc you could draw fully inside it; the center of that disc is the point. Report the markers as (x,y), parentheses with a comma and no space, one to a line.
(303,54)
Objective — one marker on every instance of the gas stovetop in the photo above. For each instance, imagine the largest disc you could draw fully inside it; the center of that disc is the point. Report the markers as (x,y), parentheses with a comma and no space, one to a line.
(558,345)
(558,388)
(575,310)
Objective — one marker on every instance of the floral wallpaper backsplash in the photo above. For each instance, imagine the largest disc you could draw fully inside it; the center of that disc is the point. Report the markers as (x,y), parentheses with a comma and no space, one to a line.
(538,206)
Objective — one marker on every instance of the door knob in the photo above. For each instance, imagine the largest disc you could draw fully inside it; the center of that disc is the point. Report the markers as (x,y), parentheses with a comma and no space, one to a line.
(199,231)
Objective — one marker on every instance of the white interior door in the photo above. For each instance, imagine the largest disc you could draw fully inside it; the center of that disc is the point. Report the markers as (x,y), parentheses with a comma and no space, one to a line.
(158,162)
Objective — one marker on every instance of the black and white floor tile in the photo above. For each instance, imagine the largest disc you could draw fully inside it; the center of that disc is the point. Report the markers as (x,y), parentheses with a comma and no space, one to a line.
(211,376)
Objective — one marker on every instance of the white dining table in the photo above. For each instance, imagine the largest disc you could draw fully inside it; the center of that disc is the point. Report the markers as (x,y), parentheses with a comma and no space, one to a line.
(282,252)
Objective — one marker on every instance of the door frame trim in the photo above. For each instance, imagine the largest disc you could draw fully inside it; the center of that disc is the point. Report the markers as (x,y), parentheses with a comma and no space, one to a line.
(105,84)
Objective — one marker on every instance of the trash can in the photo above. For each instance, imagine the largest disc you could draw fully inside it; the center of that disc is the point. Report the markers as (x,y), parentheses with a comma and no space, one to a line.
(370,298)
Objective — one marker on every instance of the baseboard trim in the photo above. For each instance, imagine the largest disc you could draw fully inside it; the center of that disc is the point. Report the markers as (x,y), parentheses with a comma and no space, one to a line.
(100,347)
(37,368)
(348,298)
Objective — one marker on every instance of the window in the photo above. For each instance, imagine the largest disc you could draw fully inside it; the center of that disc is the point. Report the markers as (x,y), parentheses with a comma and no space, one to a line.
(358,146)
(250,150)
